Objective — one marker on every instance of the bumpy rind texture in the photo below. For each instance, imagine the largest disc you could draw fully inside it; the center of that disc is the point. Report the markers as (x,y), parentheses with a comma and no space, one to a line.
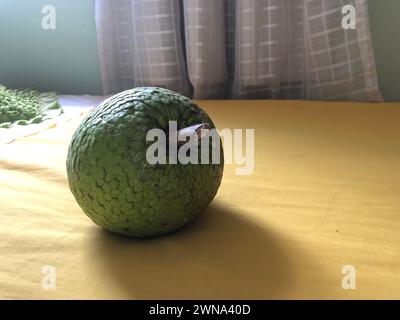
(28,106)
(111,179)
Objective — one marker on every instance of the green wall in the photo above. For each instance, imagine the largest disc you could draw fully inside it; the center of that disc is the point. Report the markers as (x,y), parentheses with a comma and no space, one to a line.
(66,60)
(385,29)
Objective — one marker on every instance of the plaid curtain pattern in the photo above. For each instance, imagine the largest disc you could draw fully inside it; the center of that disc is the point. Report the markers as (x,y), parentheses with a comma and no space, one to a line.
(276,49)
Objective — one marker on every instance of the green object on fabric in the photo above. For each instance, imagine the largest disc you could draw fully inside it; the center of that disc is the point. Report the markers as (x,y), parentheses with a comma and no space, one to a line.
(27,106)
(114,183)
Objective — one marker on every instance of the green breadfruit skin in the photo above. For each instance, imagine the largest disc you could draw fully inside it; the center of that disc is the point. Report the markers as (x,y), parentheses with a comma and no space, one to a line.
(111,179)
(23,107)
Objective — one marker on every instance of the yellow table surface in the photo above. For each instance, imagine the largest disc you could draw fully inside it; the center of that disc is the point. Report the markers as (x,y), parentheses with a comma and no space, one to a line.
(325,193)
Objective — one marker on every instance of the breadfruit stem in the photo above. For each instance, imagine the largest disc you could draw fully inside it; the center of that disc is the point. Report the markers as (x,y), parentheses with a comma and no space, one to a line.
(193,132)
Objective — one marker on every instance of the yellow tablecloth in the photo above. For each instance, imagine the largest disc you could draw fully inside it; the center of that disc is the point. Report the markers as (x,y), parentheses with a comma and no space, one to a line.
(325,193)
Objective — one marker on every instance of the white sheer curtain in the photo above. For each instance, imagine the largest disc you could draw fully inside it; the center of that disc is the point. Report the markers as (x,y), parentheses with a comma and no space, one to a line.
(293,49)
